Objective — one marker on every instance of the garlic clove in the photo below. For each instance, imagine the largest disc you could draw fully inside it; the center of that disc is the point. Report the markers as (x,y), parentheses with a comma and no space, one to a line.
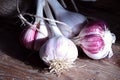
(92,43)
(27,37)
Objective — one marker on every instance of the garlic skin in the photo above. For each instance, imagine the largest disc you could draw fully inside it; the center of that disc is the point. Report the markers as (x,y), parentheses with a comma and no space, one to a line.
(96,40)
(36,34)
(59,53)
(72,19)
(32,36)
(106,47)
(27,37)
(92,43)
(58,48)
(41,35)
(93,27)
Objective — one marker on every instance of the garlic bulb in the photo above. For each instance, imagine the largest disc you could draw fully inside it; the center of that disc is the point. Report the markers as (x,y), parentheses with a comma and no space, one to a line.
(96,40)
(36,34)
(74,20)
(58,52)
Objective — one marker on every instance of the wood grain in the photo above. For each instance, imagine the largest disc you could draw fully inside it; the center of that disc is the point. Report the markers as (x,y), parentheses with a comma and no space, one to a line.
(85,69)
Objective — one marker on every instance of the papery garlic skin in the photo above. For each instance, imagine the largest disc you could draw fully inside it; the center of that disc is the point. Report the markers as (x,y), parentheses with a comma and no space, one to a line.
(72,19)
(106,51)
(41,36)
(58,48)
(93,27)
(33,39)
(27,37)
(96,40)
(109,38)
(37,33)
(92,43)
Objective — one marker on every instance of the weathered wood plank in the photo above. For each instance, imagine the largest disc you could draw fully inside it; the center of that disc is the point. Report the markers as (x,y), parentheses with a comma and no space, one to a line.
(85,69)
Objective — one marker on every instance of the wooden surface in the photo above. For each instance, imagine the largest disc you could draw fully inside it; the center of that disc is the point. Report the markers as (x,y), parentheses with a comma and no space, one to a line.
(86,69)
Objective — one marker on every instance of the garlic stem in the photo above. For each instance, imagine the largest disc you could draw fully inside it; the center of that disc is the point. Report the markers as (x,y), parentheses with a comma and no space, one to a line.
(47,19)
(74,20)
(73,2)
(39,12)
(63,3)
(53,25)
(28,23)
(56,6)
